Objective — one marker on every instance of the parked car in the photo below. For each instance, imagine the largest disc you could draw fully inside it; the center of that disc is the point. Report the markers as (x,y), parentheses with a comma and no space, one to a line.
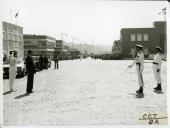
(5,70)
(37,66)
(20,69)
(37,63)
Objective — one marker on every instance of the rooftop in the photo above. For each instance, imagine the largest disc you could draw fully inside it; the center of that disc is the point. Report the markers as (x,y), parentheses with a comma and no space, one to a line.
(29,36)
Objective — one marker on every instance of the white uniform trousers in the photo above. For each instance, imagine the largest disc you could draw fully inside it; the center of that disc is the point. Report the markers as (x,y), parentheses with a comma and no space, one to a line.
(12,76)
(140,76)
(157,75)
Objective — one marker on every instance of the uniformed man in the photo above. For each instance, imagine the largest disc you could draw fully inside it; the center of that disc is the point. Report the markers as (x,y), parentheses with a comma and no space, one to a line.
(157,62)
(139,61)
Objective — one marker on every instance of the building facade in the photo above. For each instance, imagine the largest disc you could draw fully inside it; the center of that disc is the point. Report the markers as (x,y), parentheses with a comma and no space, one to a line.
(39,44)
(117,47)
(12,39)
(161,25)
(59,45)
(148,37)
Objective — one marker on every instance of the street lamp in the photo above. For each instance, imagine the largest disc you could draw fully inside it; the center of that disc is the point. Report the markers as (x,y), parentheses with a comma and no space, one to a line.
(73,38)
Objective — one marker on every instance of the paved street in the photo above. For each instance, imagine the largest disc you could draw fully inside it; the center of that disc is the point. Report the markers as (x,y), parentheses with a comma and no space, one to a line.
(86,92)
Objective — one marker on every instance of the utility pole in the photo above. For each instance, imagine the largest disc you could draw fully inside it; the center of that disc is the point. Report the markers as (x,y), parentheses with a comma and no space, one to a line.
(62,35)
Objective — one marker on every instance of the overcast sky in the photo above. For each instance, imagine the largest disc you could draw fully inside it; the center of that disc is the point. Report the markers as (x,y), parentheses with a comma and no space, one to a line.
(93,22)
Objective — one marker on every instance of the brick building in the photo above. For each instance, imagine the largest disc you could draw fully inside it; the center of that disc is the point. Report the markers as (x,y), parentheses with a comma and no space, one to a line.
(117,47)
(148,37)
(39,44)
(12,39)
(163,34)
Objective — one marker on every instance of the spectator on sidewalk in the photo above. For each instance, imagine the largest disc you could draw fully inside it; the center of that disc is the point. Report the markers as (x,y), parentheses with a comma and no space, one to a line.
(45,62)
(4,58)
(41,62)
(56,60)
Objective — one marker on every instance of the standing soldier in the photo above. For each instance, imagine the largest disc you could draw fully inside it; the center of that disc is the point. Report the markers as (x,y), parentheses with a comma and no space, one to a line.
(139,61)
(157,62)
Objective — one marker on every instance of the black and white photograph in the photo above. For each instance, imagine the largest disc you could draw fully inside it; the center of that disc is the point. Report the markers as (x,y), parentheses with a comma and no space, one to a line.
(84,63)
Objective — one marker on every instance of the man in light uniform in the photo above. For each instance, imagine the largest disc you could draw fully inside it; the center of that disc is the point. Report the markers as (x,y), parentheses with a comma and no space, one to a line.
(157,62)
(139,61)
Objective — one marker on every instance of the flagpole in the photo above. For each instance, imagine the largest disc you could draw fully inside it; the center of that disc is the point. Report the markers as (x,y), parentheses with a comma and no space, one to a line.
(165,36)
(15,25)
(163,12)
(16,18)
(10,14)
(164,16)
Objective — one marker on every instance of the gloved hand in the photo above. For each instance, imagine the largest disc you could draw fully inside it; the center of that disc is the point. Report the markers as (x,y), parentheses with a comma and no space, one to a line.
(130,66)
(158,70)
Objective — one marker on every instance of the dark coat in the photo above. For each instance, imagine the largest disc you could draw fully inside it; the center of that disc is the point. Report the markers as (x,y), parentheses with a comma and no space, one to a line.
(30,68)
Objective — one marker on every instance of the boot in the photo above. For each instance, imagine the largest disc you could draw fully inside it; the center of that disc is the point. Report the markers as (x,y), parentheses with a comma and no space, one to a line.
(140,90)
(159,88)
(156,87)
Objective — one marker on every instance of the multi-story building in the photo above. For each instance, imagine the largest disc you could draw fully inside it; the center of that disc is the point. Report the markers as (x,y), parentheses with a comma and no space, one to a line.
(70,53)
(59,45)
(39,44)
(148,37)
(13,39)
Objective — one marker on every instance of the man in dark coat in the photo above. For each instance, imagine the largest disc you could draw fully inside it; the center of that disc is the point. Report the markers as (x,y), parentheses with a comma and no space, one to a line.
(30,72)
(41,62)
(56,59)
(45,62)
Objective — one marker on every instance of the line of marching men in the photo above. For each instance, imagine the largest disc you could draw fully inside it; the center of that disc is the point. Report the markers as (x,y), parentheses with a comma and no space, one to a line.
(139,61)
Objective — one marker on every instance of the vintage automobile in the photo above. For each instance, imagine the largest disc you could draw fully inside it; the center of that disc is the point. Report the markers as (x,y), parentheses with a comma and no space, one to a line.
(20,69)
(38,65)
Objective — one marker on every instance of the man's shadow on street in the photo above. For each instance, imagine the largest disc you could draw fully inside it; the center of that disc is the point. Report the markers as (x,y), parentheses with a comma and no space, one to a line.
(6,93)
(22,95)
